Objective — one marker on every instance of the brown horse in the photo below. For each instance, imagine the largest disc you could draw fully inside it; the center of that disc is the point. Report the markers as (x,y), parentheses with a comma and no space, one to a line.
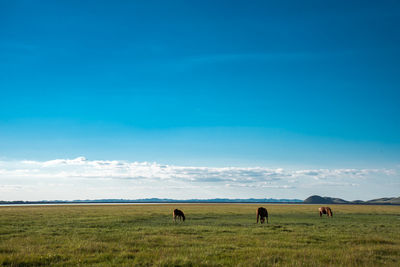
(325,210)
(179,214)
(262,213)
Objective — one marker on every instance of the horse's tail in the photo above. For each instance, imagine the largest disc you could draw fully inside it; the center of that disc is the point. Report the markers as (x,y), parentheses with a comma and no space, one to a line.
(257,215)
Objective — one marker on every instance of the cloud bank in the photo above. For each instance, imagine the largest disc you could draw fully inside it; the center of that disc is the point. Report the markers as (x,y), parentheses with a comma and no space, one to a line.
(80,178)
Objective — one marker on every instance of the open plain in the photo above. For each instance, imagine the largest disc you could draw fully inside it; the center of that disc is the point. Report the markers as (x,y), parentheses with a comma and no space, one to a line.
(212,235)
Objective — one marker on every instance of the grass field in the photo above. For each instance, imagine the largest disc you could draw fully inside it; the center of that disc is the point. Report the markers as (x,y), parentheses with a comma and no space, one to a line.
(212,235)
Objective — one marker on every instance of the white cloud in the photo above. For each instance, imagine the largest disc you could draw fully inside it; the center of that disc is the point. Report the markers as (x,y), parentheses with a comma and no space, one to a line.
(341,173)
(80,178)
(83,168)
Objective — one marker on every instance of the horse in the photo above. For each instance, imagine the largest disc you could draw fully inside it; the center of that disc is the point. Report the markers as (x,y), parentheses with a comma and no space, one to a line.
(325,210)
(179,214)
(262,213)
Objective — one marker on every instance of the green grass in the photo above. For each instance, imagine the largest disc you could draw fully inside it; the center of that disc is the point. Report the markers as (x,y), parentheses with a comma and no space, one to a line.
(213,235)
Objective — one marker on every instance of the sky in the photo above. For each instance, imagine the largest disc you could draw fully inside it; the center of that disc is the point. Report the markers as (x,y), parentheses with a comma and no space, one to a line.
(199,99)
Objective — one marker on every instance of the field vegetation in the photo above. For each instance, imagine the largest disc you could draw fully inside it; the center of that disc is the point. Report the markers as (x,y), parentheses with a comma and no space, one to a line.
(212,235)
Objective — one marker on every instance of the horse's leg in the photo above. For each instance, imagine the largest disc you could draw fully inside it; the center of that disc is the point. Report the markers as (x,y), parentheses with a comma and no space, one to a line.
(320,214)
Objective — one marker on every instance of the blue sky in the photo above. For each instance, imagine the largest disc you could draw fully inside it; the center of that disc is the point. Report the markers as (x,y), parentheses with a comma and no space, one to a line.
(297,85)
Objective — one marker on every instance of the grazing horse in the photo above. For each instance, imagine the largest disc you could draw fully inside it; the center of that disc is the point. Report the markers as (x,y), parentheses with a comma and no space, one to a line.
(179,214)
(262,213)
(325,210)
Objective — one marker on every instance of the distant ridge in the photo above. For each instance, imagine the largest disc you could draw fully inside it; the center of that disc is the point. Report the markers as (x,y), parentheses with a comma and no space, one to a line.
(329,200)
(386,200)
(324,200)
(160,200)
(315,199)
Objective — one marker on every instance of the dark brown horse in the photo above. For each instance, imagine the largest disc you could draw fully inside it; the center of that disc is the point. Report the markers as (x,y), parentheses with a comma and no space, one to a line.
(325,210)
(179,214)
(262,213)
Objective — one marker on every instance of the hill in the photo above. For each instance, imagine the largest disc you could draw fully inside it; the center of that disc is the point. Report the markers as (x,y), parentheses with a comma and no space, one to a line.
(315,199)
(386,200)
(324,200)
(157,200)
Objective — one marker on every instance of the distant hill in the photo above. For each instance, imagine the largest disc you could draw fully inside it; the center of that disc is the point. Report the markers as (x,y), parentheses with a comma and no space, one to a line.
(158,200)
(386,200)
(328,200)
(310,200)
(324,200)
